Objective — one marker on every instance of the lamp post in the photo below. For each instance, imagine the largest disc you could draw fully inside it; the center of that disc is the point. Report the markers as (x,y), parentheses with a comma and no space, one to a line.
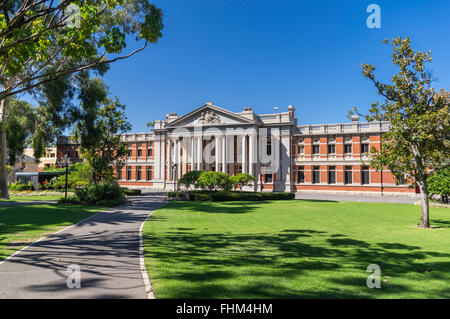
(66,161)
(175,176)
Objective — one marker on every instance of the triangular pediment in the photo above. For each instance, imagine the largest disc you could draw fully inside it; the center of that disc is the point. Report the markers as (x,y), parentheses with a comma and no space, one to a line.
(209,115)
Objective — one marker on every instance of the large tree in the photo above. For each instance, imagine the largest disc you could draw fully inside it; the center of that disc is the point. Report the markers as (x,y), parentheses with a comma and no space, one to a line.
(418,139)
(42,41)
(101,139)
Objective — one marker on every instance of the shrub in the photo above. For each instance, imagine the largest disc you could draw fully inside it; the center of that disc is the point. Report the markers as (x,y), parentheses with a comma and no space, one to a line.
(131,192)
(224,196)
(104,194)
(190,179)
(21,187)
(439,183)
(242,179)
(215,181)
(176,194)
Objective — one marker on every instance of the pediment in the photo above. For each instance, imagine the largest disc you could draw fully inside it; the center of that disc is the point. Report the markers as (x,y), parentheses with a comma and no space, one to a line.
(209,115)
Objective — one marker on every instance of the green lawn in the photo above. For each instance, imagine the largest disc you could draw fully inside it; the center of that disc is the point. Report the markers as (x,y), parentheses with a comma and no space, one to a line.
(22,225)
(296,249)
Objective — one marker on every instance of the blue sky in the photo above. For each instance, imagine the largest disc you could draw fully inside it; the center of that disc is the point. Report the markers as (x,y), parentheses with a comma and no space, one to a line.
(268,53)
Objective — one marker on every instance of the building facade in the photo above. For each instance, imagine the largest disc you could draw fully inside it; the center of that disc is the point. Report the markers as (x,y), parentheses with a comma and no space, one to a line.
(281,155)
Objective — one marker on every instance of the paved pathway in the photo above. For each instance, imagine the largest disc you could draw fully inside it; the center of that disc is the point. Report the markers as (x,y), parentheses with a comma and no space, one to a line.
(105,246)
(357,198)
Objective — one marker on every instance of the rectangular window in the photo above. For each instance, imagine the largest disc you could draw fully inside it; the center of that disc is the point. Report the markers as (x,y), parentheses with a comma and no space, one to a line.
(301,149)
(348,148)
(119,174)
(301,174)
(267,178)
(348,175)
(150,152)
(401,180)
(365,175)
(149,173)
(128,172)
(139,153)
(316,175)
(128,153)
(332,175)
(316,149)
(364,148)
(331,149)
(240,169)
(269,147)
(138,173)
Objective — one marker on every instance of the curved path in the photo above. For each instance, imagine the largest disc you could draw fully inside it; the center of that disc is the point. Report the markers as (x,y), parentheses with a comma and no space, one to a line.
(105,247)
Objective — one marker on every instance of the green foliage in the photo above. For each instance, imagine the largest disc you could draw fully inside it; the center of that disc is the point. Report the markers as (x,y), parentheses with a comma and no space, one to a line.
(19,128)
(215,181)
(176,194)
(42,44)
(439,182)
(103,194)
(21,187)
(242,179)
(80,174)
(190,179)
(101,143)
(226,196)
(131,192)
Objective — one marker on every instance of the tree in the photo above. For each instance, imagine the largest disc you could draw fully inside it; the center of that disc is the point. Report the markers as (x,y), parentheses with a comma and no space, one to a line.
(242,179)
(190,179)
(439,183)
(19,126)
(105,153)
(215,180)
(418,139)
(43,41)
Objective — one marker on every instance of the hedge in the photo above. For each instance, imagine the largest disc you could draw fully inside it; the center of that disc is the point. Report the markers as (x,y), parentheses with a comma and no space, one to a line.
(223,196)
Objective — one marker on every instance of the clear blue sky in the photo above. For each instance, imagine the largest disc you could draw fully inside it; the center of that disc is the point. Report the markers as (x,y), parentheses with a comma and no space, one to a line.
(274,53)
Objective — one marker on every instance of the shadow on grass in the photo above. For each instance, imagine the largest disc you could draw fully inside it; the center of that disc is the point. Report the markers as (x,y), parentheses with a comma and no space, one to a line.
(275,265)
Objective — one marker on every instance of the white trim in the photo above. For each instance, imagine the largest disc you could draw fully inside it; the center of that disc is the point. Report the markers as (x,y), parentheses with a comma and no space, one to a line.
(147,283)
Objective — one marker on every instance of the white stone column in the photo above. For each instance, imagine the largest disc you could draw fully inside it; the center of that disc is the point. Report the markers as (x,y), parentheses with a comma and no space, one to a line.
(217,152)
(251,154)
(169,159)
(192,154)
(244,154)
(199,153)
(224,153)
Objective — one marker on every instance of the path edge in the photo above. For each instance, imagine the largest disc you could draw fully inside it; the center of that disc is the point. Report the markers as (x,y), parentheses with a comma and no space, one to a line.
(145,277)
(50,235)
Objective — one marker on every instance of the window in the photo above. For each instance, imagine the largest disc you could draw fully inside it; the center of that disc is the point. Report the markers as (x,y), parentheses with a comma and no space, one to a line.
(332,175)
(365,175)
(348,176)
(128,153)
(315,149)
(119,174)
(364,148)
(316,175)
(150,152)
(149,173)
(267,178)
(301,174)
(331,149)
(401,180)
(348,148)
(240,169)
(301,149)
(128,172)
(138,173)
(269,146)
(139,153)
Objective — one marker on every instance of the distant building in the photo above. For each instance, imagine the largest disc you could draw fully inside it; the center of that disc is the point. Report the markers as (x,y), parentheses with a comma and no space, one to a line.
(324,158)
(67,146)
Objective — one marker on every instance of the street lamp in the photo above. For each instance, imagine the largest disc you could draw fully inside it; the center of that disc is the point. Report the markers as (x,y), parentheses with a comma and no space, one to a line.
(175,176)
(66,161)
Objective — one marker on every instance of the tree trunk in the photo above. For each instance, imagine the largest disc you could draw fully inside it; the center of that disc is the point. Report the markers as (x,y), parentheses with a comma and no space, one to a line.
(425,218)
(4,193)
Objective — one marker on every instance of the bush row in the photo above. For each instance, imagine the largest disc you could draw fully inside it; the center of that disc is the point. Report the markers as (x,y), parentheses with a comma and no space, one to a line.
(224,196)
(102,194)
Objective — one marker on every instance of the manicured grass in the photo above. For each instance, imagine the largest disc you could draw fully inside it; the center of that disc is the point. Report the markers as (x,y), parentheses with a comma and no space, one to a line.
(22,225)
(296,249)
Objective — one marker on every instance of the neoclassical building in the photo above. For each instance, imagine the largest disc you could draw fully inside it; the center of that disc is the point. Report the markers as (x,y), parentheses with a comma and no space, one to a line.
(280,154)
